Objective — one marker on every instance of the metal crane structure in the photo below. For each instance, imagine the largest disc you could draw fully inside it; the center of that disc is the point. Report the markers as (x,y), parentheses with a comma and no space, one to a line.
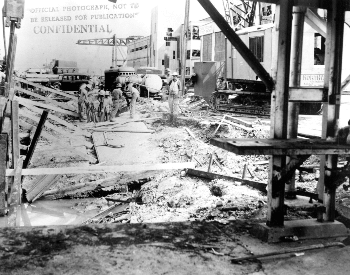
(241,15)
(114,42)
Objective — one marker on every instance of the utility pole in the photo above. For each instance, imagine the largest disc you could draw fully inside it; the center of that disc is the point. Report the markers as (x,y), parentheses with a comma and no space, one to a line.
(184,45)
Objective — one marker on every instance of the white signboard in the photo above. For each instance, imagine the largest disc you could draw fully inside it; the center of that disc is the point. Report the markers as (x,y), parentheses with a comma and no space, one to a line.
(312,80)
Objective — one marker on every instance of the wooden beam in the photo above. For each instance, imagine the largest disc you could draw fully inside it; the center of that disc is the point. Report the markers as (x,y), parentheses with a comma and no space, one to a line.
(102,169)
(46,106)
(281,147)
(122,131)
(307,94)
(46,88)
(3,166)
(283,19)
(212,176)
(52,117)
(15,197)
(331,110)
(15,133)
(236,41)
(46,99)
(321,4)
(16,189)
(316,22)
(49,125)
(35,140)
(3,104)
(295,75)
(10,57)
(40,186)
(345,82)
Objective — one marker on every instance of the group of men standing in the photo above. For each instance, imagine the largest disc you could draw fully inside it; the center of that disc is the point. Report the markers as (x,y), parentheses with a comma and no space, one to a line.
(99,105)
(102,105)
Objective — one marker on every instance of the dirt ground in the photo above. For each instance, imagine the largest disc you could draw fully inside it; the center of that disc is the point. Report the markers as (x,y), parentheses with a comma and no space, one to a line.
(168,196)
(152,197)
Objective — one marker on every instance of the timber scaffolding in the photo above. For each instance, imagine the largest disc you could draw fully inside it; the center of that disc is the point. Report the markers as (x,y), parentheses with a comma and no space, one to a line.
(287,153)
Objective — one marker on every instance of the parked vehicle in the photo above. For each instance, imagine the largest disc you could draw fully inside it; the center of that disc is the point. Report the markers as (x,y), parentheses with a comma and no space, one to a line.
(71,81)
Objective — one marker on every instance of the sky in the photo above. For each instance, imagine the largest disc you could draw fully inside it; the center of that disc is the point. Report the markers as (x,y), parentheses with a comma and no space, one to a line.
(50,29)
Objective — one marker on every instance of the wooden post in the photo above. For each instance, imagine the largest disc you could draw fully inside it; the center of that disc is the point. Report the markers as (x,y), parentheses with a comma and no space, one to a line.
(35,138)
(184,46)
(294,107)
(210,162)
(11,53)
(330,119)
(15,133)
(275,212)
(3,166)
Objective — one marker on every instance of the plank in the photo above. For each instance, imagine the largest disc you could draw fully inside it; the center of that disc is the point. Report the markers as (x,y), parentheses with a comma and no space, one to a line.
(49,125)
(122,131)
(99,124)
(212,176)
(45,106)
(307,94)
(52,117)
(281,147)
(16,188)
(15,133)
(35,139)
(316,22)
(46,88)
(238,121)
(3,165)
(3,104)
(40,186)
(46,99)
(102,169)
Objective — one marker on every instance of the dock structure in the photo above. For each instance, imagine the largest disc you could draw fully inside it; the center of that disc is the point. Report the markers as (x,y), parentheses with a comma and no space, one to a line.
(286,152)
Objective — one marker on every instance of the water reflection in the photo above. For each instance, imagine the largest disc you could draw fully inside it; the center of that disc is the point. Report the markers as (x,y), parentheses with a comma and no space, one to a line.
(54,212)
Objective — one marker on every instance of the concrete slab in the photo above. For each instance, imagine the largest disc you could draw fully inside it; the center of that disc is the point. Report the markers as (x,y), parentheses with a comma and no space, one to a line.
(138,148)
(302,229)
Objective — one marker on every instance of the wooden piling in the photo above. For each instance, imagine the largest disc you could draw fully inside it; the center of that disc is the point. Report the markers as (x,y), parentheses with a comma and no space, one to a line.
(275,213)
(331,109)
(294,107)
(35,140)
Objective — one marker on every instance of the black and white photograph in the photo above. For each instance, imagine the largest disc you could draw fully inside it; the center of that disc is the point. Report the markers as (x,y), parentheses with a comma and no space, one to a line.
(149,137)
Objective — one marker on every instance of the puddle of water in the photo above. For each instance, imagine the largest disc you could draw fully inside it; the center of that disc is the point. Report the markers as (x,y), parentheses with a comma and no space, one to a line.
(54,212)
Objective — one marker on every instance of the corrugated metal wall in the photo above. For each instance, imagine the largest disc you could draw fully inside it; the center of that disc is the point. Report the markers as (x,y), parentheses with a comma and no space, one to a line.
(207,47)
(219,47)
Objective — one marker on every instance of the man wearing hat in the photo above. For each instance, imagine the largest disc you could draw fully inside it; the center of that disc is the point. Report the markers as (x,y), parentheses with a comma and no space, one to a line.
(135,94)
(83,91)
(174,95)
(117,98)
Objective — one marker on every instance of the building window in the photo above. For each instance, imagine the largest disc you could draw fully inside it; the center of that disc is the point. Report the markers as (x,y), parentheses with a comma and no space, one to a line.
(167,44)
(163,62)
(188,72)
(196,53)
(256,45)
(195,33)
(174,55)
(188,55)
(319,49)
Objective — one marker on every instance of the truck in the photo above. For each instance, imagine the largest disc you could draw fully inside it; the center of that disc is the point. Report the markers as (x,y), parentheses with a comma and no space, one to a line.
(61,66)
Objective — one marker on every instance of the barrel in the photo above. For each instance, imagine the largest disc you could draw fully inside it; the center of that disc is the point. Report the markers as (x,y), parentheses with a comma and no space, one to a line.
(152,82)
